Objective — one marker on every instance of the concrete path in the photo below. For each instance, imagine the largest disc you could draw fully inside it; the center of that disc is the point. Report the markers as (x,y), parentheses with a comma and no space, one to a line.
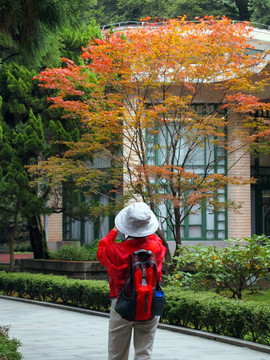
(51,332)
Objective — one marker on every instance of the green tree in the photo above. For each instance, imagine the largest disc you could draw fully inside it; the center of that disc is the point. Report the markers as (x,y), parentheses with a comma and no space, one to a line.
(73,40)
(109,11)
(33,34)
(106,12)
(30,29)
(260,11)
(161,9)
(21,145)
(1,130)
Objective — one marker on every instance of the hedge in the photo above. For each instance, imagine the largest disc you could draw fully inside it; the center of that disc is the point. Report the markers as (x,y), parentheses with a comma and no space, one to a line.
(90,294)
(199,310)
(214,313)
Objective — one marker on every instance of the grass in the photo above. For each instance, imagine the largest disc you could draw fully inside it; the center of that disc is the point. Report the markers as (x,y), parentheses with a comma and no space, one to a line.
(257,295)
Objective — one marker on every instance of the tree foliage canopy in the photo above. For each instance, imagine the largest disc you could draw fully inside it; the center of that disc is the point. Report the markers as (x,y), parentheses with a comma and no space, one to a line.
(142,104)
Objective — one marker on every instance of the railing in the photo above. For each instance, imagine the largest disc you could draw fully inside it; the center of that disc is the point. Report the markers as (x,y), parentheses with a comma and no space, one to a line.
(125,24)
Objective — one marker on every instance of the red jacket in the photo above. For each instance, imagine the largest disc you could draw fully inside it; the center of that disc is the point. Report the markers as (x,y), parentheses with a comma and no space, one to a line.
(115,257)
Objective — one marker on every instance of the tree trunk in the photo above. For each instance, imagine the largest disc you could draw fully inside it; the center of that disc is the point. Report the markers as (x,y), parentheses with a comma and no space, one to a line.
(242,5)
(11,243)
(177,217)
(37,238)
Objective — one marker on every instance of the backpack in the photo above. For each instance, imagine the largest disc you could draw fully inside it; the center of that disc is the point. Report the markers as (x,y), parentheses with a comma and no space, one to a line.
(141,298)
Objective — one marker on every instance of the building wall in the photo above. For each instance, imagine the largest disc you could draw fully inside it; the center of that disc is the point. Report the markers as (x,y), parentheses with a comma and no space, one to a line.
(239,223)
(55,228)
(54,223)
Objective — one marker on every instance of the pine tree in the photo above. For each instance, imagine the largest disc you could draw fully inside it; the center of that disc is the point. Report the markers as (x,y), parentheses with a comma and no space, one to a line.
(30,30)
(27,125)
(19,146)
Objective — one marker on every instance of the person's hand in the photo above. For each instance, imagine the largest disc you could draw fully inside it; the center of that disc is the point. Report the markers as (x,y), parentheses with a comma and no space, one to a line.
(115,229)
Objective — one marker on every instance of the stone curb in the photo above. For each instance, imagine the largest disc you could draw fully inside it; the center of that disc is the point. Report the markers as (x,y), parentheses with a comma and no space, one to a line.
(187,331)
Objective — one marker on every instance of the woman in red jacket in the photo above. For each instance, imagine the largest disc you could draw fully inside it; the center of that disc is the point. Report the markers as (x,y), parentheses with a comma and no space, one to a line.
(139,224)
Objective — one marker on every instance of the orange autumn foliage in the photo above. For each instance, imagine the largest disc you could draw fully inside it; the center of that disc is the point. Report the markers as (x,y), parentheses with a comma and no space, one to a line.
(137,98)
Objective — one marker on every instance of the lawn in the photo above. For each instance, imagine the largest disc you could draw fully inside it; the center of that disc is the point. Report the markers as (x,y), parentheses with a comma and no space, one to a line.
(258,295)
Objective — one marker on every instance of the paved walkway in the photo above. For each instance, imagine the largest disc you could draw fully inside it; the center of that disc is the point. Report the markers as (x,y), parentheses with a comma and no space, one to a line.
(49,332)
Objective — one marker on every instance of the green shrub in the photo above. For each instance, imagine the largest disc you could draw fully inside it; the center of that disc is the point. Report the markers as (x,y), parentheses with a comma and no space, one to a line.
(216,314)
(234,268)
(84,293)
(8,347)
(75,253)
(23,247)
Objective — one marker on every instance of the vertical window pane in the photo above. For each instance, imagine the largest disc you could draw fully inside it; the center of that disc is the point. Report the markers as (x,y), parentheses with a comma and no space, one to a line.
(195,231)
(221,217)
(210,221)
(182,231)
(220,169)
(104,221)
(210,235)
(162,214)
(195,219)
(75,230)
(89,232)
(163,148)
(221,226)
(197,156)
(221,198)
(221,235)
(104,227)
(67,227)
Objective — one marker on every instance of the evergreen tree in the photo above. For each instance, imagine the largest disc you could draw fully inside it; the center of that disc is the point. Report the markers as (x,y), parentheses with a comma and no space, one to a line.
(260,11)
(72,40)
(21,144)
(29,30)
(24,104)
(109,11)
(1,130)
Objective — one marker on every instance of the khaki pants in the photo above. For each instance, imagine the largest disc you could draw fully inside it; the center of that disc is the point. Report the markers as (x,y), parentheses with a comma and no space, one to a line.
(120,331)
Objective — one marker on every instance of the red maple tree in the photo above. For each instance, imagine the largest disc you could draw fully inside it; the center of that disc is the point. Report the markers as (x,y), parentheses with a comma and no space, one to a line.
(157,100)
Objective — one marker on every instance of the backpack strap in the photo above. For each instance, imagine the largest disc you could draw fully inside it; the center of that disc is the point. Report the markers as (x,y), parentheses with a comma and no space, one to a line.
(141,251)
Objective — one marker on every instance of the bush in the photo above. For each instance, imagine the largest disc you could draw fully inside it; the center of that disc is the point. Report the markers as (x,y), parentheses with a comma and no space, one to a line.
(8,348)
(22,247)
(91,294)
(233,268)
(75,253)
(216,314)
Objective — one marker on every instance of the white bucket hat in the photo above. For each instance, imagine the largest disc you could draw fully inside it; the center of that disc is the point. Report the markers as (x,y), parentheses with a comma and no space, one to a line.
(136,220)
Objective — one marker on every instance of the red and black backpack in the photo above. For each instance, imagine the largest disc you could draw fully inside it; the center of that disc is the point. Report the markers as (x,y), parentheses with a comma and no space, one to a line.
(141,297)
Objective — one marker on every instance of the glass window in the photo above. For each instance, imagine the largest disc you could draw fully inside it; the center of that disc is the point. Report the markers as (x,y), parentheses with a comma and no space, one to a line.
(86,230)
(205,157)
(195,231)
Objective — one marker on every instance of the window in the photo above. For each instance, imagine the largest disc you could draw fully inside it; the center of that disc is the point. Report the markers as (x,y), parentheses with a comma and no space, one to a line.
(77,226)
(172,144)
